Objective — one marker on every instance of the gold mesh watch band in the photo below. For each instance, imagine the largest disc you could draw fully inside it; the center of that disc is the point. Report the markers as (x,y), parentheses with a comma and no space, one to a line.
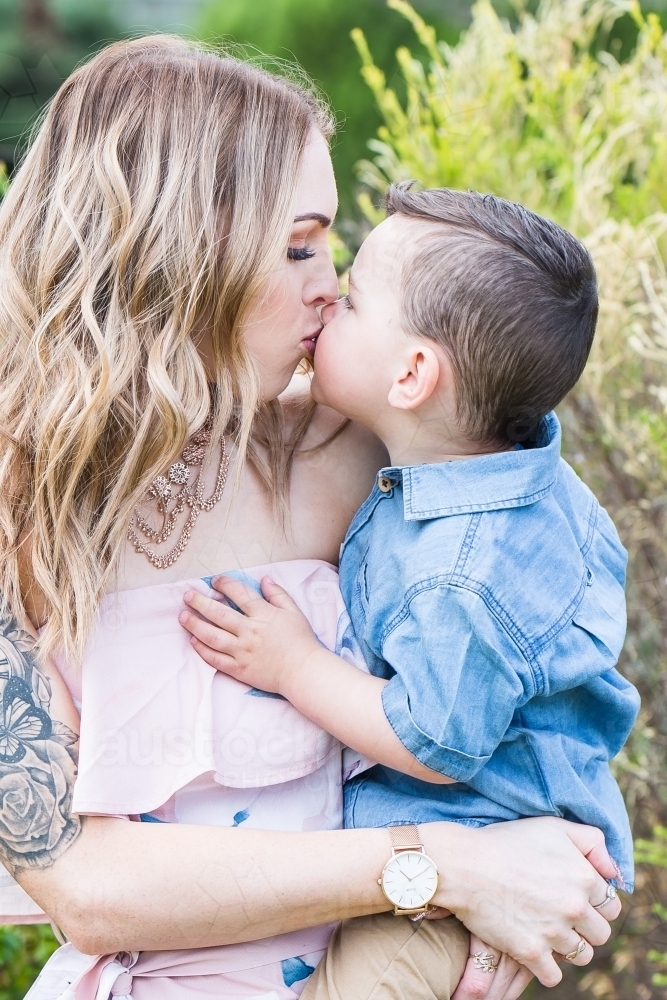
(405,838)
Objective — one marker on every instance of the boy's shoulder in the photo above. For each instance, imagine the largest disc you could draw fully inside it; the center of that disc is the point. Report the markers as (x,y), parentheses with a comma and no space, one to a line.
(519,532)
(542,566)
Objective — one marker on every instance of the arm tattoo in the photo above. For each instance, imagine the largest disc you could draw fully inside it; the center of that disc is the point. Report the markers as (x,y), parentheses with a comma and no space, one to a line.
(38,759)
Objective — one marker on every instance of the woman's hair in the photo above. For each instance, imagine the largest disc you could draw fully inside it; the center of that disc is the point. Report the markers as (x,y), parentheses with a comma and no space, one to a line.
(154,201)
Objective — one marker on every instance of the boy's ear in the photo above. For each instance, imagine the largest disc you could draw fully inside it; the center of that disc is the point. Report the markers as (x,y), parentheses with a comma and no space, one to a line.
(416,381)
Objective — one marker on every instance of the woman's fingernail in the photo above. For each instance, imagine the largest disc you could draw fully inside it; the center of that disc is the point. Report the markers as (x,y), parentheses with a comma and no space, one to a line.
(183,617)
(193,640)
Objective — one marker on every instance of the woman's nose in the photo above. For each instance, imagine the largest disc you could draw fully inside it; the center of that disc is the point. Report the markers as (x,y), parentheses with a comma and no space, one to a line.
(324,289)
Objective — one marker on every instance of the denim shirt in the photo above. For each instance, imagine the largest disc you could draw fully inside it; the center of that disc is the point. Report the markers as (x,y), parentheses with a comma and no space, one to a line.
(490,593)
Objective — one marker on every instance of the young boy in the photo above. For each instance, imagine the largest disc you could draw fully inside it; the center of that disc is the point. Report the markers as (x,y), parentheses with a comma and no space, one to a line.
(483,580)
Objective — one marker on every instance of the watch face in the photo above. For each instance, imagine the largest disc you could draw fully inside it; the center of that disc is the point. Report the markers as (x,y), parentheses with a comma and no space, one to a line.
(409,880)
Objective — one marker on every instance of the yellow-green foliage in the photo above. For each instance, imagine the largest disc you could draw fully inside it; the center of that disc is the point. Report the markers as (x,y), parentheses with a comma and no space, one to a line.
(536,115)
(531,113)
(654,852)
(541,114)
(4,181)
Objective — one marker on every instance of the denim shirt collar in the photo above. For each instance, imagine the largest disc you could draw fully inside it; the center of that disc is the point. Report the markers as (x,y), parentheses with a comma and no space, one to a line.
(491,482)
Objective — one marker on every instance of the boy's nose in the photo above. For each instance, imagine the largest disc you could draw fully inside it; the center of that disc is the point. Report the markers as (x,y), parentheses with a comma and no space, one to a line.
(329,311)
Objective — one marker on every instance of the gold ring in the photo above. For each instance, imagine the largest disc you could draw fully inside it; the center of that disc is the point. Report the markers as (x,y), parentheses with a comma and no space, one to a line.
(579,950)
(482,960)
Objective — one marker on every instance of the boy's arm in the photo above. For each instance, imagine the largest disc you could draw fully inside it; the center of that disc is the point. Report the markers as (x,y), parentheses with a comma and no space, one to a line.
(272,647)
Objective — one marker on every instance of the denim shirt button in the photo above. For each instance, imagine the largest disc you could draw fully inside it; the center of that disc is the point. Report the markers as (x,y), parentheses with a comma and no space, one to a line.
(590,576)
(385,484)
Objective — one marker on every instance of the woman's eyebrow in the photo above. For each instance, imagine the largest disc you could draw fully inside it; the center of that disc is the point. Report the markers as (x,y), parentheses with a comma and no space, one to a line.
(323,220)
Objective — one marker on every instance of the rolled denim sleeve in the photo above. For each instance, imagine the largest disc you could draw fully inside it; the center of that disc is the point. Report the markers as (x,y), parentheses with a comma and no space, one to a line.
(459,679)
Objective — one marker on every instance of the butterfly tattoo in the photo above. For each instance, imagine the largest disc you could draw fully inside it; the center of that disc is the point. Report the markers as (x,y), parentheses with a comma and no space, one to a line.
(21,722)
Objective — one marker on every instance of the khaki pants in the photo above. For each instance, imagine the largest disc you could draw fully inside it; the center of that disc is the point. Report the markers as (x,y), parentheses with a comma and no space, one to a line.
(384,957)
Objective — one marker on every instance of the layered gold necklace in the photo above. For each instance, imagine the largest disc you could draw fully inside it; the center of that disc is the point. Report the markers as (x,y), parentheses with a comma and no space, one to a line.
(173,493)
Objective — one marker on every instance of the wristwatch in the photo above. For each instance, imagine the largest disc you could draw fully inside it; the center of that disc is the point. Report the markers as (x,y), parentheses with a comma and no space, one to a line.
(409,879)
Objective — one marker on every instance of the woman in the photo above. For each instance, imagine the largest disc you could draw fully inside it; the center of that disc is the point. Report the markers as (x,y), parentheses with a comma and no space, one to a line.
(163,258)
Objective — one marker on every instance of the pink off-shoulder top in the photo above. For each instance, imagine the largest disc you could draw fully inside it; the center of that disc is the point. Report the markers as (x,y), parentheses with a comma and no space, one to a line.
(166,738)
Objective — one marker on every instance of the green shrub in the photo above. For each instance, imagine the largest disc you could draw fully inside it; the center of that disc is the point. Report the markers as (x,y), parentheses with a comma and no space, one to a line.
(23,952)
(532,113)
(40,44)
(541,113)
(654,852)
(317,34)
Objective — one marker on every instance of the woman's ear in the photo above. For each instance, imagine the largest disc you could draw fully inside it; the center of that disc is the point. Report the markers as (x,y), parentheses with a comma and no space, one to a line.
(416,381)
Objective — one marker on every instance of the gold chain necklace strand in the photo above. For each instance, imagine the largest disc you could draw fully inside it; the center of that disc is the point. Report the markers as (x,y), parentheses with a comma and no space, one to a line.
(177,482)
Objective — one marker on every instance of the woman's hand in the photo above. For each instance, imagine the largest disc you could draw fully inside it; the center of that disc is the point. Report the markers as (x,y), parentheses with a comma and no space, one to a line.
(528,888)
(506,982)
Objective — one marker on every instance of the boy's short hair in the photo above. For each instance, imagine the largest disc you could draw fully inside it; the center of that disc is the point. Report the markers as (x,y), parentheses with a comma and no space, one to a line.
(510,296)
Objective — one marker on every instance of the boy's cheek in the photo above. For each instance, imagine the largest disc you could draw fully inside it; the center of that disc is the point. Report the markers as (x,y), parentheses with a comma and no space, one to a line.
(327,385)
(344,384)
(332,390)
(316,392)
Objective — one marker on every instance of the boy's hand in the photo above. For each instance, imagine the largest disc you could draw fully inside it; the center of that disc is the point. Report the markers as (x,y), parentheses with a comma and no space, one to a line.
(271,646)
(265,647)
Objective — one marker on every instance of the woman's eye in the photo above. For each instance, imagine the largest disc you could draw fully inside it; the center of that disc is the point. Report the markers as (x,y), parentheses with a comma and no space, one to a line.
(300,253)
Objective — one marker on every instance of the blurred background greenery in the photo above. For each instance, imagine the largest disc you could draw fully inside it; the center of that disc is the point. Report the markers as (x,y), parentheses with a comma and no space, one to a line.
(561,106)
(42,40)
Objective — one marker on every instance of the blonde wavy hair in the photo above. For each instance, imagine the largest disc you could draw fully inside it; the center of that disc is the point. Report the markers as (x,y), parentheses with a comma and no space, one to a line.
(155,199)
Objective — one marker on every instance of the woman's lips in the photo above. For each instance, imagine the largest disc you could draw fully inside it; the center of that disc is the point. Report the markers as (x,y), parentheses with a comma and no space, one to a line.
(309,343)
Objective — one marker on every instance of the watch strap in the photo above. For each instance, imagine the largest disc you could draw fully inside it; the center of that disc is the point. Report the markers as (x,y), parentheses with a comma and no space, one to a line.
(405,838)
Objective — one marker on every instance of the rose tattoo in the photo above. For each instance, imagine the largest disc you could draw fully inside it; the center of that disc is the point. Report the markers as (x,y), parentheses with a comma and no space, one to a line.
(37,760)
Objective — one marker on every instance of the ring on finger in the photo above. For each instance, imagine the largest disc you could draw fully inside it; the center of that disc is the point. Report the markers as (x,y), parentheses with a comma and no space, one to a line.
(579,950)
(484,961)
(611,894)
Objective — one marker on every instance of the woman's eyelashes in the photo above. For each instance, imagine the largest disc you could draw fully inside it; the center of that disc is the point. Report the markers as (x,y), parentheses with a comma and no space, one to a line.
(300,253)
(347,301)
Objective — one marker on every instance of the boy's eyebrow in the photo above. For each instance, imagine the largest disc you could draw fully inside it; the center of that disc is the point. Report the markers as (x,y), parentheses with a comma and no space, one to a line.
(323,220)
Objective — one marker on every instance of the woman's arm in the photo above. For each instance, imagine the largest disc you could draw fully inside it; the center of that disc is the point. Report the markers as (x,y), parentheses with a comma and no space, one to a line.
(113,885)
